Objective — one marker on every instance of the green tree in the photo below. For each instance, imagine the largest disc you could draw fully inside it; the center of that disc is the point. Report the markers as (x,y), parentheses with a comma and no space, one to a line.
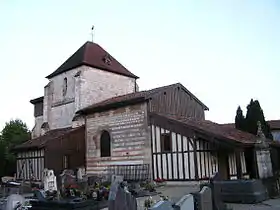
(253,115)
(14,133)
(239,119)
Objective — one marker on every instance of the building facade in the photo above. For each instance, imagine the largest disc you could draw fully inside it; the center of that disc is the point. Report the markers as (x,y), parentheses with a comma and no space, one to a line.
(89,76)
(92,115)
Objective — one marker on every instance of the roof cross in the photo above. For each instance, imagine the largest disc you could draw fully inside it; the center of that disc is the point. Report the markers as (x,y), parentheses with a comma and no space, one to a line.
(92,28)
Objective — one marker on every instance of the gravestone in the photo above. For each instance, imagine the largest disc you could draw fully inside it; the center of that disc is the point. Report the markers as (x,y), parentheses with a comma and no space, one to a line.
(13,201)
(263,155)
(119,197)
(80,174)
(67,178)
(205,199)
(49,180)
(186,202)
(164,205)
(116,178)
(115,182)
(216,186)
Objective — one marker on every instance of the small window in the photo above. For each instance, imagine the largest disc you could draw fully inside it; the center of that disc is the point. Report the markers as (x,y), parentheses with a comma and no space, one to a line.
(107,59)
(105,144)
(64,90)
(166,143)
(65,161)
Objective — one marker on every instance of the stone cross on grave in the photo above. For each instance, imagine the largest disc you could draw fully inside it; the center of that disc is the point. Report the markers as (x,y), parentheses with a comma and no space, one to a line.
(261,141)
(263,157)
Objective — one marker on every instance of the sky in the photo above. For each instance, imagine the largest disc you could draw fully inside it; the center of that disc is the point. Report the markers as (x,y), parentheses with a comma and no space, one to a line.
(224,51)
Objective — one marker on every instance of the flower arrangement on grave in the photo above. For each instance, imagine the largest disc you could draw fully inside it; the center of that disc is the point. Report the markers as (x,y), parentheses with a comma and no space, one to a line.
(72,190)
(148,202)
(99,191)
(51,195)
(164,198)
(149,186)
(160,182)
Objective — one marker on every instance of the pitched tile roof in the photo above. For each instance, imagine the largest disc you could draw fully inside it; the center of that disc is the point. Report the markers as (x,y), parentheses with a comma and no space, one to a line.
(274,124)
(217,130)
(93,55)
(134,98)
(41,141)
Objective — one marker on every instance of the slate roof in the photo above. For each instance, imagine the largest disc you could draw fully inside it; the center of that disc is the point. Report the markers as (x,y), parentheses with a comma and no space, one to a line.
(41,141)
(93,55)
(134,98)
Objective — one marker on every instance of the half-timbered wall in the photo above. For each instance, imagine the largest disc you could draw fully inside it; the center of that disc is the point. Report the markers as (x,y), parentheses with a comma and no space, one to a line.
(232,165)
(180,163)
(175,101)
(28,163)
(129,137)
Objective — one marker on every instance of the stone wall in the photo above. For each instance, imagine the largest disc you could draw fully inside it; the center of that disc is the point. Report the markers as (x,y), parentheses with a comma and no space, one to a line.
(85,86)
(36,131)
(98,85)
(130,139)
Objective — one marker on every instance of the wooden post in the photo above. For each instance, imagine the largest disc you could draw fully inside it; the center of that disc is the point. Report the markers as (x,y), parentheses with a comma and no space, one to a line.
(223,165)
(195,158)
(238,164)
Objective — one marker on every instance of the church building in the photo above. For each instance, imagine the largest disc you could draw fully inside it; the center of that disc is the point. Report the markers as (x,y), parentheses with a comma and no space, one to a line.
(93,116)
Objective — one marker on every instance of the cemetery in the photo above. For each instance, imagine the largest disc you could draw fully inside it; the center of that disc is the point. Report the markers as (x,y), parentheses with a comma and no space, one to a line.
(121,189)
(71,191)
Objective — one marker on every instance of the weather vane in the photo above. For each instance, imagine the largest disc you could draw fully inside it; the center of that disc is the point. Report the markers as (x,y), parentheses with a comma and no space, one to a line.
(92,28)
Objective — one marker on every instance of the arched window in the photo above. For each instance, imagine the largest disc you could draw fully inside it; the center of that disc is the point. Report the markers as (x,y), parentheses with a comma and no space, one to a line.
(64,86)
(105,144)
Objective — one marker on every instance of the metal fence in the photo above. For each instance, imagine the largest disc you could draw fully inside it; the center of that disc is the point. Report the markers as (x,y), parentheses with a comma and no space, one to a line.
(140,172)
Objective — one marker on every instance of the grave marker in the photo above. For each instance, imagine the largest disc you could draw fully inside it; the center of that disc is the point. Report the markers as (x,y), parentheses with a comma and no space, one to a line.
(205,199)
(163,205)
(186,202)
(49,180)
(67,178)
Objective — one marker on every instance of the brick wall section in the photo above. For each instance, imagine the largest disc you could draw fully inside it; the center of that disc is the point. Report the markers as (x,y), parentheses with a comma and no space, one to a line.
(130,139)
(89,86)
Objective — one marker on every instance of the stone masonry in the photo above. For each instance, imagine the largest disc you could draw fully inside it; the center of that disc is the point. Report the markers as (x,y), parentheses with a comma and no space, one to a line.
(85,86)
(130,139)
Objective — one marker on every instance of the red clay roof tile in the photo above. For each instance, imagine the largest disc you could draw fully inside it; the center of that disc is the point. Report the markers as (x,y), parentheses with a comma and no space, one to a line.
(41,141)
(136,96)
(93,55)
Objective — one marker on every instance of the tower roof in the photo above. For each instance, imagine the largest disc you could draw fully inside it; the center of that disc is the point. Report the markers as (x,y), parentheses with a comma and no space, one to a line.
(93,55)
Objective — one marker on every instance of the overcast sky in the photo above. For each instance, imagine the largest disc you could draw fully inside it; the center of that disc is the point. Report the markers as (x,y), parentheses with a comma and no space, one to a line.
(225,52)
